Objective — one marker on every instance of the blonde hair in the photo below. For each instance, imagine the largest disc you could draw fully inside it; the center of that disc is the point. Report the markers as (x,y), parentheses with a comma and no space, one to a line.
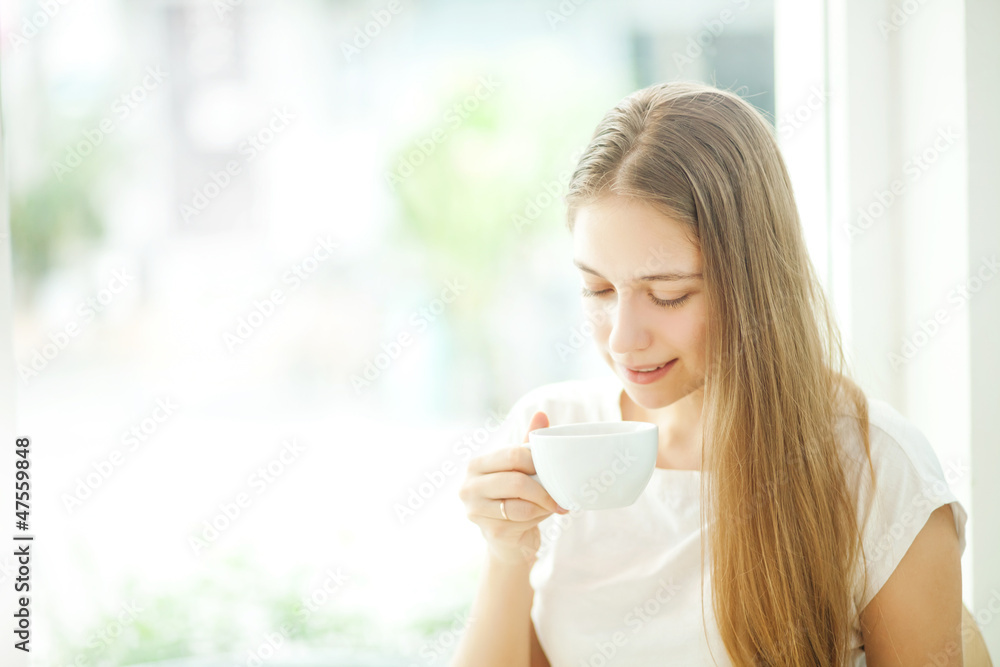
(783,534)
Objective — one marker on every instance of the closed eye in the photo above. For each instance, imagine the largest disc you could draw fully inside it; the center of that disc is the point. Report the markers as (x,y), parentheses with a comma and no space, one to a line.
(669,303)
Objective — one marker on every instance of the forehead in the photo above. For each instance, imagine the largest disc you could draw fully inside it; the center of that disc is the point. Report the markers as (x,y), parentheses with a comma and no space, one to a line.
(625,238)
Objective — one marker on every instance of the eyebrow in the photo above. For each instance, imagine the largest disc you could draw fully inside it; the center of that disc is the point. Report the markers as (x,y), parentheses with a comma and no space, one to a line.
(670,276)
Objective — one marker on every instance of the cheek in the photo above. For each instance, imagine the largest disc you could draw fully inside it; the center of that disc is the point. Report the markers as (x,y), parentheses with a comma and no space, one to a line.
(683,330)
(691,333)
(598,317)
(601,330)
(687,330)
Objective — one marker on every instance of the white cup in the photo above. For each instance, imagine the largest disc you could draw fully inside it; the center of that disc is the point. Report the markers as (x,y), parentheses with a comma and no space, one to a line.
(594,465)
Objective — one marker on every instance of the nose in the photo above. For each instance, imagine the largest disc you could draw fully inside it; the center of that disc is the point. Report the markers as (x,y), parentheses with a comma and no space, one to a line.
(629,331)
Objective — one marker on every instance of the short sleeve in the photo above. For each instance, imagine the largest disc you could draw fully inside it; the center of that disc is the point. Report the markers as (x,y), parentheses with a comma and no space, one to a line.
(910,485)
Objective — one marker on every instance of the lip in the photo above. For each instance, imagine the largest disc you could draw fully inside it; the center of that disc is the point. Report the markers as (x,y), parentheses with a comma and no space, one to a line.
(637,377)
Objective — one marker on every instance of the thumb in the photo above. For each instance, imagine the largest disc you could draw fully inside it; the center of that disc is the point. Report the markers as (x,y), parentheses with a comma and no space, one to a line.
(538,420)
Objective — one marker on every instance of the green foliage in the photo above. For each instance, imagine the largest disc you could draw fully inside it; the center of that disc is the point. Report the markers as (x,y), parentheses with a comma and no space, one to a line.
(47,215)
(464,192)
(56,212)
(231,606)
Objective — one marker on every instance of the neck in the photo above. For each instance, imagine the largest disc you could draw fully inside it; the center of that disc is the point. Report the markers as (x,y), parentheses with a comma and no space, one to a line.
(679,426)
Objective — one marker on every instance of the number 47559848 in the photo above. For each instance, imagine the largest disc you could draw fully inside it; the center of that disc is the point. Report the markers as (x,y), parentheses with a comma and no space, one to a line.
(22,494)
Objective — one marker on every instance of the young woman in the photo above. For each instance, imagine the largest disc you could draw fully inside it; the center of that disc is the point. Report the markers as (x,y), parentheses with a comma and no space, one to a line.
(790,520)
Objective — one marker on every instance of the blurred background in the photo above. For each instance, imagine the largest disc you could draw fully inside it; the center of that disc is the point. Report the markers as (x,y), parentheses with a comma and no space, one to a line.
(279,270)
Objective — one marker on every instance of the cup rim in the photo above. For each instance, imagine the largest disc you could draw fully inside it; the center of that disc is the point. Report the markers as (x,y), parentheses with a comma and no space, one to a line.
(555,431)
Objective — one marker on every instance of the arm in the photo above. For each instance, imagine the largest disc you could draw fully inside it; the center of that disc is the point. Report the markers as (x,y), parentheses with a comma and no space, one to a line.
(916,617)
(538,657)
(500,629)
(500,632)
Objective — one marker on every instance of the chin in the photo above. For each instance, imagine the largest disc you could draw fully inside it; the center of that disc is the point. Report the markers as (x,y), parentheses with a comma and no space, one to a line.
(649,399)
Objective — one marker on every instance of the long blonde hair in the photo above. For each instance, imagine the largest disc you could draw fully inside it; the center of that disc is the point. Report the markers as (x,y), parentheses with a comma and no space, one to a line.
(783,531)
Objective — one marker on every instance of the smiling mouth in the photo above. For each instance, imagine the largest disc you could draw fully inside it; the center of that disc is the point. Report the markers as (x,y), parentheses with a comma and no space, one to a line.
(648,369)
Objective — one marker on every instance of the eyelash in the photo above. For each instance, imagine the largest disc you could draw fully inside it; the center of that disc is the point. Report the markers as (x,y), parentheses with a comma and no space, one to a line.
(675,303)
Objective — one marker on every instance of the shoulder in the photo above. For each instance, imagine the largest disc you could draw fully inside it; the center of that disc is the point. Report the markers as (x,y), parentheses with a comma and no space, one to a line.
(910,483)
(917,612)
(899,449)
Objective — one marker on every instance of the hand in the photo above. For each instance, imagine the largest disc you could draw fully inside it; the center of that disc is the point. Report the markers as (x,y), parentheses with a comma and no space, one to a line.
(503,475)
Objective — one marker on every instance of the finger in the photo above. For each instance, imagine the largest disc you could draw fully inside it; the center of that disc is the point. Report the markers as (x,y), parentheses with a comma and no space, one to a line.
(511,485)
(506,458)
(538,420)
(519,512)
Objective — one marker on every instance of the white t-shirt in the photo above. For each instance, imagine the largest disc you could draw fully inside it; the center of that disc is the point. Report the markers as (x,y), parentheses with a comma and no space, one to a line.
(623,586)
